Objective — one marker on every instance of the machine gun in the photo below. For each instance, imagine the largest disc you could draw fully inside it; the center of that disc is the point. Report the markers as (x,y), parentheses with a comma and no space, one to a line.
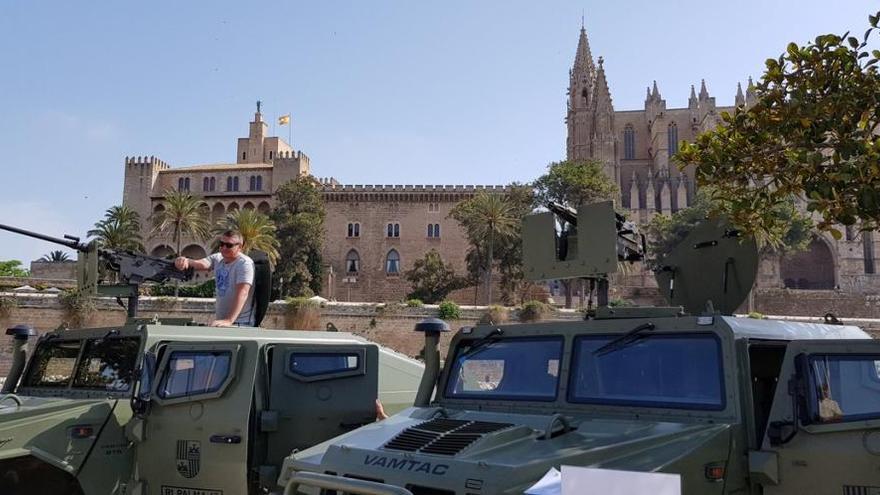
(589,244)
(133,268)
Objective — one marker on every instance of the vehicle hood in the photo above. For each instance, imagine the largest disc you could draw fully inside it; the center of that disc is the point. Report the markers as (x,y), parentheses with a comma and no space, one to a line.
(41,426)
(508,451)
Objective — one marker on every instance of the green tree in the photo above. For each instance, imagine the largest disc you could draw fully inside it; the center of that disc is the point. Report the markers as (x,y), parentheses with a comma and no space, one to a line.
(299,222)
(514,286)
(183,215)
(487,219)
(431,279)
(810,135)
(12,268)
(664,232)
(119,229)
(574,183)
(57,256)
(257,232)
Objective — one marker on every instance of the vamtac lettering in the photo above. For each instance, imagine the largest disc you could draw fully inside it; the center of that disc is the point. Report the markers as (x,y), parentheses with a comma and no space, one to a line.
(406,465)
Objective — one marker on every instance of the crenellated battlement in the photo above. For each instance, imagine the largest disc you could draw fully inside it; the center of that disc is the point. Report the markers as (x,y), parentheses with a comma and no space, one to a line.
(291,155)
(133,161)
(411,188)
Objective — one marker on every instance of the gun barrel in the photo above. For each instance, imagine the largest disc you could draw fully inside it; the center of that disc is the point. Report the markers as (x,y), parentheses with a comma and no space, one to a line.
(72,244)
(567,213)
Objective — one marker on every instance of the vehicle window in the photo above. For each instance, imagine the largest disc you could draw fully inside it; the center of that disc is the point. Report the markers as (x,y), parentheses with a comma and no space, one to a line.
(107,364)
(325,363)
(194,372)
(673,371)
(512,369)
(845,387)
(53,363)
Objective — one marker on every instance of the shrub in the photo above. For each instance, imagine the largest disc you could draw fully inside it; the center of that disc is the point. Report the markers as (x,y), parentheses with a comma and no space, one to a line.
(494,315)
(204,289)
(448,310)
(302,314)
(534,311)
(78,307)
(414,303)
(621,303)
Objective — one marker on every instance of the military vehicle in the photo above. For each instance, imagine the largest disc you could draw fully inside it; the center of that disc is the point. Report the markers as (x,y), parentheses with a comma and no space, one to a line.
(168,407)
(733,405)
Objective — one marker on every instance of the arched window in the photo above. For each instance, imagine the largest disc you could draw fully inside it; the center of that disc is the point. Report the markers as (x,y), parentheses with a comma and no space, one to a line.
(253,183)
(259,183)
(434,230)
(392,230)
(206,184)
(396,230)
(672,139)
(392,262)
(354,229)
(352,262)
(229,183)
(186,184)
(213,184)
(235,183)
(180,184)
(629,143)
(270,155)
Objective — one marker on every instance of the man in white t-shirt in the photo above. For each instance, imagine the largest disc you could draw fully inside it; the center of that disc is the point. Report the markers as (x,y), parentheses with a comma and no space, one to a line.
(234,279)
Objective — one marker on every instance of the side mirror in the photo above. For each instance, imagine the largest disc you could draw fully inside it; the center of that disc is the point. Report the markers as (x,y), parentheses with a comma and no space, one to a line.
(140,399)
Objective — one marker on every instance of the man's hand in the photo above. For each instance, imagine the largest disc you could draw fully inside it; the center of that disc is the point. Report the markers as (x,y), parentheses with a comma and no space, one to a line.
(221,323)
(181,263)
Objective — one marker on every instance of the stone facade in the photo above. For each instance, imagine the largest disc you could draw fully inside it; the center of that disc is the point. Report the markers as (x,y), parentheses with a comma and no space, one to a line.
(373,233)
(635,148)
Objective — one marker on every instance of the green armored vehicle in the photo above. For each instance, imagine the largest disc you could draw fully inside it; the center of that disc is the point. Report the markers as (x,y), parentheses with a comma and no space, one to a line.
(732,405)
(171,408)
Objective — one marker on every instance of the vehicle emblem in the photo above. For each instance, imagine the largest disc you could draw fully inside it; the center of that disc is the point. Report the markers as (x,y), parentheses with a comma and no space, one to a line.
(189,454)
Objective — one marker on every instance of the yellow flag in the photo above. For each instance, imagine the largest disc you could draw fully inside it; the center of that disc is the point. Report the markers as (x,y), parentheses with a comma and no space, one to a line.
(284,119)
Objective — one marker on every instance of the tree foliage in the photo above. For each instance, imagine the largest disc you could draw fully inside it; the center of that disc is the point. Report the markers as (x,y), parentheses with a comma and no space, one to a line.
(487,219)
(664,232)
(12,268)
(183,215)
(431,279)
(809,135)
(299,221)
(120,229)
(56,256)
(257,232)
(574,183)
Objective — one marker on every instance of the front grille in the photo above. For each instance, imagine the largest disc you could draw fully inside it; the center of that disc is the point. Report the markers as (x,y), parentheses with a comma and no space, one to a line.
(442,436)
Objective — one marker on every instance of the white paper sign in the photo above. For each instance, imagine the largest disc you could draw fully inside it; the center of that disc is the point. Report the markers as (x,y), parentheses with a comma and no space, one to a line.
(550,484)
(588,481)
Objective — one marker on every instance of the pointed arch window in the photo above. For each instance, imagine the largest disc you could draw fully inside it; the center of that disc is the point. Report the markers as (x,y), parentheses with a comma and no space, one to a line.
(392,262)
(629,143)
(259,183)
(352,262)
(434,230)
(253,183)
(354,229)
(672,142)
(392,230)
(183,184)
(206,184)
(232,183)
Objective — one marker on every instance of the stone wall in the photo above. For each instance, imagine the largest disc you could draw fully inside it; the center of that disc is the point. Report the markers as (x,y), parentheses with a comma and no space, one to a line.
(389,325)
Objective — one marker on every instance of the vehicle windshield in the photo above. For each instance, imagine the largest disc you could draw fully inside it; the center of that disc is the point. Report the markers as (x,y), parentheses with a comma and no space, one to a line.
(509,369)
(673,371)
(105,364)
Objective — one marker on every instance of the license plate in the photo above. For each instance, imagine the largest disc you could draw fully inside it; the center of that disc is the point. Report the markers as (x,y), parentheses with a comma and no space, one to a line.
(178,490)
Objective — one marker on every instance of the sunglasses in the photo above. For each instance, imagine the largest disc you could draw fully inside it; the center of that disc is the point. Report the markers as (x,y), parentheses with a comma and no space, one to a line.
(228,245)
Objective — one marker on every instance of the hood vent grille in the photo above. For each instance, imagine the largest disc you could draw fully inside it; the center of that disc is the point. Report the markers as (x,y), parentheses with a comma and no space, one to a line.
(443,436)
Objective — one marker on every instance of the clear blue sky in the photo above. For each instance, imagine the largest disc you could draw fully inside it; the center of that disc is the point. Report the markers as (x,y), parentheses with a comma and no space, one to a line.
(390,92)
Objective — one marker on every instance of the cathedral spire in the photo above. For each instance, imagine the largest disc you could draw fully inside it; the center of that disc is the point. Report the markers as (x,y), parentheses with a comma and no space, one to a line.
(692,101)
(655,93)
(704,93)
(583,60)
(740,99)
(751,97)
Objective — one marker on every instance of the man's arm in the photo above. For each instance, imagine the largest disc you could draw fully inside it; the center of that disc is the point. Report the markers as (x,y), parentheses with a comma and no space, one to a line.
(241,295)
(182,263)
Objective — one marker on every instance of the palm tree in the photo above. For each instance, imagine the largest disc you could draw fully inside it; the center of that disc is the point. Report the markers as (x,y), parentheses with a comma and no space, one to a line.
(257,232)
(487,217)
(120,229)
(55,257)
(184,215)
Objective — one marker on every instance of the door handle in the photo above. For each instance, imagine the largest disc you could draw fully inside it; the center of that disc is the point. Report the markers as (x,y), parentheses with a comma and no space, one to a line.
(227,439)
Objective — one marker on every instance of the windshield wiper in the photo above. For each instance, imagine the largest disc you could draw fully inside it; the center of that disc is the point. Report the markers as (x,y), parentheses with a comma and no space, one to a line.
(625,340)
(483,342)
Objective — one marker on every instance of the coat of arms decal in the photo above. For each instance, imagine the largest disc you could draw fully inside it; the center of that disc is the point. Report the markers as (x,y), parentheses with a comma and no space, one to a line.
(189,454)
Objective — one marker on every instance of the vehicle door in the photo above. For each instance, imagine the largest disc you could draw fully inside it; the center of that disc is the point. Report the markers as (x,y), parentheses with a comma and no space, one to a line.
(317,392)
(823,434)
(195,437)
